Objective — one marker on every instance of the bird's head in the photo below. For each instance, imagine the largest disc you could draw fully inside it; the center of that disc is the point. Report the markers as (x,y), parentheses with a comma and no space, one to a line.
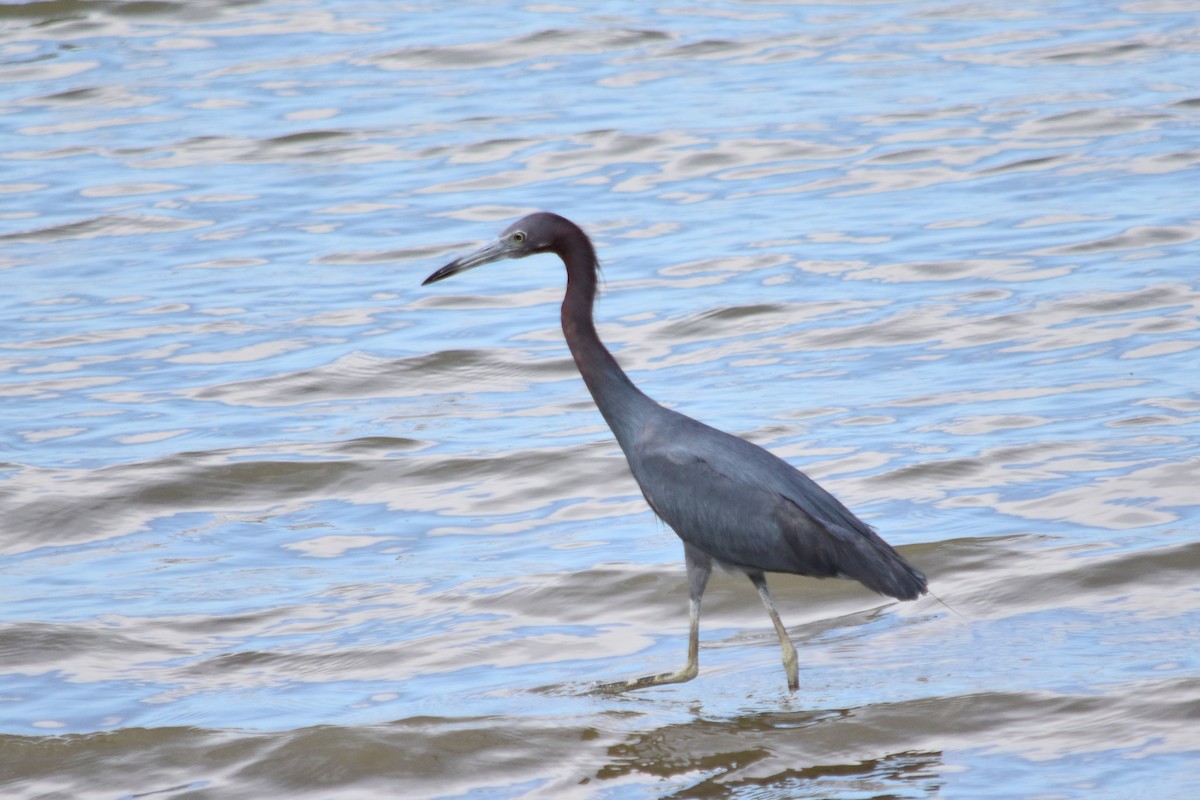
(536,233)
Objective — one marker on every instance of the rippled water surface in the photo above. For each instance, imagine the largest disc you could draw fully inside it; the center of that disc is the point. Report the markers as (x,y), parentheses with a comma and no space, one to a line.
(280,522)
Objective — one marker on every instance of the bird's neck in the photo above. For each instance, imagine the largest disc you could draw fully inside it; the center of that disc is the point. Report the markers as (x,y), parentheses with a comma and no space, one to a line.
(617,398)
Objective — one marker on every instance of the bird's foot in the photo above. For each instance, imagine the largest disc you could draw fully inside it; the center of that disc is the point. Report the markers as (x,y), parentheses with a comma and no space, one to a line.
(791,666)
(681,676)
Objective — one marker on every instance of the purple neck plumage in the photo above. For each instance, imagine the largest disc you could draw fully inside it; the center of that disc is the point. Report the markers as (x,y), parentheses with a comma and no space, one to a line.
(615,395)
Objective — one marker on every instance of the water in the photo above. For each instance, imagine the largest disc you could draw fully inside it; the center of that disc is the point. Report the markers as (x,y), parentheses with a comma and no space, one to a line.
(280,522)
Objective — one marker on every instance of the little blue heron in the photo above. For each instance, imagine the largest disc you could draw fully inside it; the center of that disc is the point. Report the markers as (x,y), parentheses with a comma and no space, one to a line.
(731,502)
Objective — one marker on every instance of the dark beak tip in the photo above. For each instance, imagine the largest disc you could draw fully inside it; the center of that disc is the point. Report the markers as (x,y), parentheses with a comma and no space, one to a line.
(485,255)
(441,274)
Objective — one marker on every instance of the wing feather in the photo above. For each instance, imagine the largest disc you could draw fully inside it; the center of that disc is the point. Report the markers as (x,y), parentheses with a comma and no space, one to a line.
(750,510)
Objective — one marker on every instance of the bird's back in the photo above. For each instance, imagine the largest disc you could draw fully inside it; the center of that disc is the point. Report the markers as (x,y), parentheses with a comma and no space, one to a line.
(750,510)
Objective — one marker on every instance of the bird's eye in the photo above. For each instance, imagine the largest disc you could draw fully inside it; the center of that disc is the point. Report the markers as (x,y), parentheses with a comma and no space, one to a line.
(518,237)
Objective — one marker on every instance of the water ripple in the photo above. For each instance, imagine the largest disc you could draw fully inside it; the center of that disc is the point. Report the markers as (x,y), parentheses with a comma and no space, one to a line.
(281,522)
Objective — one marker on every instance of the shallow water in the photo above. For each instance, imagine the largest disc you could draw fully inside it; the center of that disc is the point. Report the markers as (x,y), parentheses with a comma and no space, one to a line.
(278,521)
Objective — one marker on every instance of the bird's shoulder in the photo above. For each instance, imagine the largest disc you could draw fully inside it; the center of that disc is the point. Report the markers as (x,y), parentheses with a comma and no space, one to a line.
(674,443)
(678,451)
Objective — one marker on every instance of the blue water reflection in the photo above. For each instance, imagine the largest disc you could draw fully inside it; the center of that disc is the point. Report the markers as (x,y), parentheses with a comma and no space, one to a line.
(258,482)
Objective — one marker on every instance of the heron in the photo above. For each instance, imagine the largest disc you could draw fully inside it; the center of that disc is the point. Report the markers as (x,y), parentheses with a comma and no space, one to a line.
(731,502)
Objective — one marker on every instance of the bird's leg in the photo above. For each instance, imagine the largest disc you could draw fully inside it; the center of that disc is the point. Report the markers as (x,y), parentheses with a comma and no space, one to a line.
(689,670)
(790,662)
(699,566)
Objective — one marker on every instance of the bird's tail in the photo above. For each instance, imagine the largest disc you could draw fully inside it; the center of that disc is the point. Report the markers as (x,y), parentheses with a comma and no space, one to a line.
(881,569)
(848,548)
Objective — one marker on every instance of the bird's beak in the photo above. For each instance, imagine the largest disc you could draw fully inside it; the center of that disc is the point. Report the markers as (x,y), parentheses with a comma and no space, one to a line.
(495,251)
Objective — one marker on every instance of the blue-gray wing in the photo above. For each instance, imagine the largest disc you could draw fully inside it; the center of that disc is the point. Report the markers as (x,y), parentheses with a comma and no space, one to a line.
(750,509)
